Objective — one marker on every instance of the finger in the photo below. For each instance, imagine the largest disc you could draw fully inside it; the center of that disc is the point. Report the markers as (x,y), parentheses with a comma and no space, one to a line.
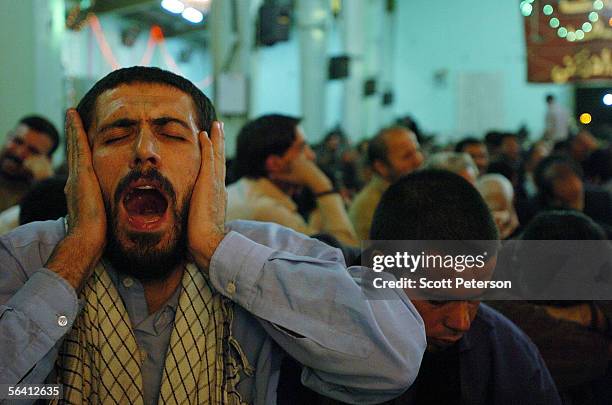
(69,140)
(206,150)
(81,142)
(218,142)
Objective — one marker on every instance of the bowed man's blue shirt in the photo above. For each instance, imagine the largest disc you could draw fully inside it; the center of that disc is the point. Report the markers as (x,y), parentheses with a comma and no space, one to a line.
(294,295)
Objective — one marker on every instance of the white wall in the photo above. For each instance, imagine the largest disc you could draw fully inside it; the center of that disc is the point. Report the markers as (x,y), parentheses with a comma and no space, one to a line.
(459,39)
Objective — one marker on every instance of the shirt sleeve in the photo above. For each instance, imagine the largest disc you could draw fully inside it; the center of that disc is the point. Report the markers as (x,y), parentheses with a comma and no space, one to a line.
(36,311)
(352,349)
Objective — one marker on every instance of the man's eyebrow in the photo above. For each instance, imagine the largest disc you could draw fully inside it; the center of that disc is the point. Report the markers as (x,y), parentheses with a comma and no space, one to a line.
(120,123)
(160,122)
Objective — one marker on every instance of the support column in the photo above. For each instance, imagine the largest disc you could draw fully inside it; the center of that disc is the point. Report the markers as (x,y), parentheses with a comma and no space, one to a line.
(387,114)
(373,63)
(31,74)
(354,43)
(232,26)
(313,18)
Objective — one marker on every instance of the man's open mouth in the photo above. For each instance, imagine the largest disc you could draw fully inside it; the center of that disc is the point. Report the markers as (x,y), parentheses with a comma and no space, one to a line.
(145,203)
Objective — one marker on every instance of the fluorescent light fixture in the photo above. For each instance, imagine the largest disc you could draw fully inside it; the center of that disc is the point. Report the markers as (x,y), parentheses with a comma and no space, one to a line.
(192,15)
(173,6)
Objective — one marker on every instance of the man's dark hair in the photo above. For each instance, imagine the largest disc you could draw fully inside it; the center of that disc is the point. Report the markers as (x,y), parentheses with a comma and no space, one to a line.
(550,98)
(140,74)
(501,166)
(563,225)
(465,142)
(493,139)
(267,135)
(432,205)
(599,165)
(549,169)
(41,124)
(44,201)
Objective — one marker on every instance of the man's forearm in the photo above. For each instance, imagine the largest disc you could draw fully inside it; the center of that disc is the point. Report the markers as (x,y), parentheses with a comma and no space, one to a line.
(317,313)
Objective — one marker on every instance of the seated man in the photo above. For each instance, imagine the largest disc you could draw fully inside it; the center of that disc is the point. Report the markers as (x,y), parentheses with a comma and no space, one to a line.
(144,295)
(498,193)
(474,355)
(574,337)
(393,153)
(456,162)
(477,150)
(26,157)
(273,163)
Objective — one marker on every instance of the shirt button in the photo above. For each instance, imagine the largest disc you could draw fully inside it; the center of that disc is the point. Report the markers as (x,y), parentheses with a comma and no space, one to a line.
(128,282)
(231,287)
(62,320)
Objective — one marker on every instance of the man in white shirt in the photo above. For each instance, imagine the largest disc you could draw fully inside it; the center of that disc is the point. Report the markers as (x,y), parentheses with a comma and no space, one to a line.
(273,163)
(557,121)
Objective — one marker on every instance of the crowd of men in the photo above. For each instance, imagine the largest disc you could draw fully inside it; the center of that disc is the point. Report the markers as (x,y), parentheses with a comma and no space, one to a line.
(165,274)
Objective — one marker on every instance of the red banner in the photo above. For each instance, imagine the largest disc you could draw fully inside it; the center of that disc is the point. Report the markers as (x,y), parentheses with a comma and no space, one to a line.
(568,40)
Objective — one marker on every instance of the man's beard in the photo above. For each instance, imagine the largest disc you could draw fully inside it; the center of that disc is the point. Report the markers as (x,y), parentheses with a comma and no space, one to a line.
(20,174)
(146,259)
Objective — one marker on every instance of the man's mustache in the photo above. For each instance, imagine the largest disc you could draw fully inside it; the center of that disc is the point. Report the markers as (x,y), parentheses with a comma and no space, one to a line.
(151,175)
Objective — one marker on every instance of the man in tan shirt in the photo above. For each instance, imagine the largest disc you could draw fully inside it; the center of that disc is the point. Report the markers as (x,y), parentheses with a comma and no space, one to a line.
(273,163)
(392,154)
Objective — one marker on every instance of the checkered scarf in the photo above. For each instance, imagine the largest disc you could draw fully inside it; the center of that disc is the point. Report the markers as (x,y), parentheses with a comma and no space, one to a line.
(99,361)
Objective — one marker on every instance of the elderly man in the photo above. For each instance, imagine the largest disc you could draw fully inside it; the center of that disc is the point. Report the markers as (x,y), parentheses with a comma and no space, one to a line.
(392,154)
(145,295)
(26,157)
(457,162)
(498,193)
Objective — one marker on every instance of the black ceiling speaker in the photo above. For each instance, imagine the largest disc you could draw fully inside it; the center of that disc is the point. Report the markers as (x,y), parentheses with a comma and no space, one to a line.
(273,24)
(338,67)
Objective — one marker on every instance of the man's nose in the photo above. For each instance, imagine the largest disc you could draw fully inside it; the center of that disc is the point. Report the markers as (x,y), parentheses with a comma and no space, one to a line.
(459,318)
(146,149)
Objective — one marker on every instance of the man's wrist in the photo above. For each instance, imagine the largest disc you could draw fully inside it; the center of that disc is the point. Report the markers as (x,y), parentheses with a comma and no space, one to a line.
(203,255)
(74,268)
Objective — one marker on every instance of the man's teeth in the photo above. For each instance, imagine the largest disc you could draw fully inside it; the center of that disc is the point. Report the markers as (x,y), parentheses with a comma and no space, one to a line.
(145,188)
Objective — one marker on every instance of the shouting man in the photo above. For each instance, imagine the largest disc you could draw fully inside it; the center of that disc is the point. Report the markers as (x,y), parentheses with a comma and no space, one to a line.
(144,295)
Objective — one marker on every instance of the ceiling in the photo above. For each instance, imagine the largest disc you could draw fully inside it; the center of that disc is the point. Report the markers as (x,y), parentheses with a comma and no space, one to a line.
(144,13)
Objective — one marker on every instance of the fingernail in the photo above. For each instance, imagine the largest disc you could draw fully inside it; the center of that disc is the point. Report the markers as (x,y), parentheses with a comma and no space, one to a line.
(222,125)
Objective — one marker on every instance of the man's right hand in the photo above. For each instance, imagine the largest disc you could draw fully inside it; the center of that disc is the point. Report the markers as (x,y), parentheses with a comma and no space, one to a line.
(304,172)
(75,257)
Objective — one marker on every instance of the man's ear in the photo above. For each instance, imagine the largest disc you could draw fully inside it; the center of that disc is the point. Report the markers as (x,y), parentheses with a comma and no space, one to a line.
(380,168)
(274,164)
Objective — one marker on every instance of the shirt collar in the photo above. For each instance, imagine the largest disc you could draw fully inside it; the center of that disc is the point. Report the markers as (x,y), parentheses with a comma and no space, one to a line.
(128,285)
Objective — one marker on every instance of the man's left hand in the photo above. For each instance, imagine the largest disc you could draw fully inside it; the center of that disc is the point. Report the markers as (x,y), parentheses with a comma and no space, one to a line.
(206,226)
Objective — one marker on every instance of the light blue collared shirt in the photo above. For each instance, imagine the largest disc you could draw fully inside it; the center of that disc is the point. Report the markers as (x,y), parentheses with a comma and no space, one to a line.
(294,296)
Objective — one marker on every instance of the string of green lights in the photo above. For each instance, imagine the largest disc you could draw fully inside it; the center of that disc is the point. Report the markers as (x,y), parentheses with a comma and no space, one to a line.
(570,33)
